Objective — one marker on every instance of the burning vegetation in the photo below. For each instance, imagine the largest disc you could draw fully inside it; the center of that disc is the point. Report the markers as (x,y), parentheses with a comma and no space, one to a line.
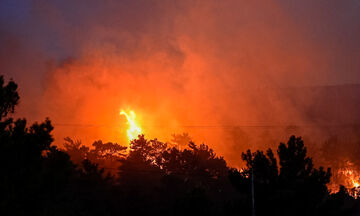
(208,92)
(349,177)
(158,178)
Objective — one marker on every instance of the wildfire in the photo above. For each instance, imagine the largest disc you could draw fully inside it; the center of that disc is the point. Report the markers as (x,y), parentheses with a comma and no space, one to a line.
(353,178)
(134,130)
(353,181)
(350,178)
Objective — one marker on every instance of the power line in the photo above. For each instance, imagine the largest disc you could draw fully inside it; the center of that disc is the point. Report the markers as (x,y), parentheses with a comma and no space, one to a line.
(213,126)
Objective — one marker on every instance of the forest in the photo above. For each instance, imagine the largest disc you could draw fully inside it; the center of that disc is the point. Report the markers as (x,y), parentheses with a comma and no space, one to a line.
(151,177)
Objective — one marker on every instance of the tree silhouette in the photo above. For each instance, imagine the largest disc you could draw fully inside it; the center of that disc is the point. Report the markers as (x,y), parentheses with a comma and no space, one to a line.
(293,160)
(200,175)
(9,97)
(104,154)
(152,178)
(139,176)
(263,166)
(299,179)
(180,140)
(198,163)
(297,188)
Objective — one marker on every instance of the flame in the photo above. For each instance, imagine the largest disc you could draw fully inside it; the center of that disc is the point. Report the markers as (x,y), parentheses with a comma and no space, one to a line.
(355,183)
(350,179)
(134,130)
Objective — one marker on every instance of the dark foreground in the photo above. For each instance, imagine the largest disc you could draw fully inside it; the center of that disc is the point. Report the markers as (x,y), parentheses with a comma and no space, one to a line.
(153,178)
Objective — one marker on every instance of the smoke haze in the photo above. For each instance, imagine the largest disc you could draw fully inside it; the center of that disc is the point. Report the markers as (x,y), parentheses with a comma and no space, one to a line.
(234,74)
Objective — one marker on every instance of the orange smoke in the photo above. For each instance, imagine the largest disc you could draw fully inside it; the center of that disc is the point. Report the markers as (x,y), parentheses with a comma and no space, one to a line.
(216,70)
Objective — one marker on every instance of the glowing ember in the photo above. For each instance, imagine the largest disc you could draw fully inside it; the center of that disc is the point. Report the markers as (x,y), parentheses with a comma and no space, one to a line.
(134,130)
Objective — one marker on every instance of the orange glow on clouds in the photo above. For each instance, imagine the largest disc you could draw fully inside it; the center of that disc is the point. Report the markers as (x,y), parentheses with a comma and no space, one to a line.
(184,67)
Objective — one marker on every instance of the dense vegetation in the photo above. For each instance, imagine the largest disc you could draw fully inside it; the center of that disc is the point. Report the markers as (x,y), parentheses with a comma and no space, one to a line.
(152,177)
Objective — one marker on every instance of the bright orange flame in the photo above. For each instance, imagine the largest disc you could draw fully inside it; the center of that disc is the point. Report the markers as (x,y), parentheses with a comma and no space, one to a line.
(134,130)
(352,179)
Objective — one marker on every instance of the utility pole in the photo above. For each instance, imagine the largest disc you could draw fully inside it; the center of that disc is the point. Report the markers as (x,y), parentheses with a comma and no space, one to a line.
(252,192)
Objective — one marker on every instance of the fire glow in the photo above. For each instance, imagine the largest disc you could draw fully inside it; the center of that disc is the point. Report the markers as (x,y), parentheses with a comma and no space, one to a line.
(349,177)
(352,181)
(134,130)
